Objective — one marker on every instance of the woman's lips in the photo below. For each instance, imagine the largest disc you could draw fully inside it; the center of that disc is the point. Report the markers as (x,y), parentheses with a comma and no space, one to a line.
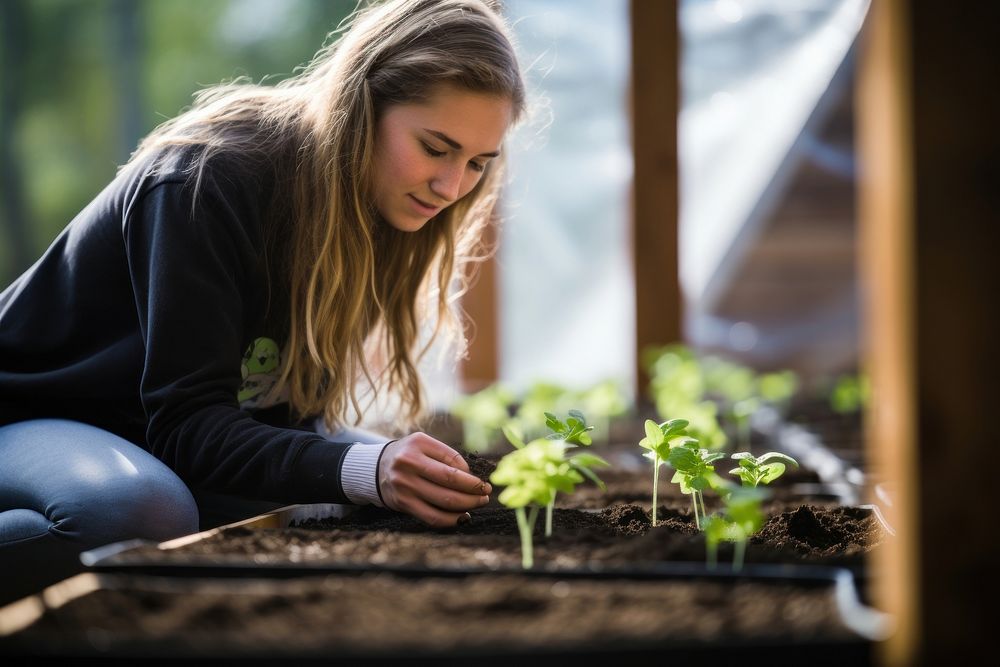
(424,207)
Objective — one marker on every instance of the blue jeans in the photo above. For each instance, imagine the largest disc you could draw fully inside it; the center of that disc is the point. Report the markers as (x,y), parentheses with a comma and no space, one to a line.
(66,487)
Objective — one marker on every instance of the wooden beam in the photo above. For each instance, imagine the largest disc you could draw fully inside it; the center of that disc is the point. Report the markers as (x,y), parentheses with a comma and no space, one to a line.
(885,200)
(481,367)
(928,209)
(655,103)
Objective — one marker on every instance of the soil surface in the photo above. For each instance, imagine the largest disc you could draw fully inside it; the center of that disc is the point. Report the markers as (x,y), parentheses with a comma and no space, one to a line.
(382,615)
(617,537)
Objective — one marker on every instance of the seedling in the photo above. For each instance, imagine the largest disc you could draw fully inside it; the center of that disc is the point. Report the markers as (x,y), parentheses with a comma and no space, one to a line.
(602,402)
(732,381)
(777,388)
(675,375)
(482,414)
(700,388)
(850,393)
(741,518)
(678,385)
(741,411)
(703,423)
(540,397)
(574,432)
(694,473)
(737,385)
(532,474)
(659,440)
(762,469)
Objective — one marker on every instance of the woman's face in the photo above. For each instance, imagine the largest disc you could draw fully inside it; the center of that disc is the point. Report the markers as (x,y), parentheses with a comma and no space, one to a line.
(430,154)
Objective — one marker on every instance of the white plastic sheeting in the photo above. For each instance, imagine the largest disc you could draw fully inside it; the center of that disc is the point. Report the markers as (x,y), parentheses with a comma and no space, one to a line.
(566,290)
(753,74)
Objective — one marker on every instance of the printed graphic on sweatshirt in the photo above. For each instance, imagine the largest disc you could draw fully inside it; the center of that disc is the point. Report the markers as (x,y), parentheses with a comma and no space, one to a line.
(260,369)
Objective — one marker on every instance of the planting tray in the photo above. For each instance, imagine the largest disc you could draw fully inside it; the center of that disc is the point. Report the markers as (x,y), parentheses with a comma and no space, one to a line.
(616,539)
(797,615)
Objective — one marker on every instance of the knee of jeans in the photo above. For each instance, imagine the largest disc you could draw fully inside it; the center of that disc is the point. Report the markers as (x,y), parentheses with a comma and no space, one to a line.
(157,508)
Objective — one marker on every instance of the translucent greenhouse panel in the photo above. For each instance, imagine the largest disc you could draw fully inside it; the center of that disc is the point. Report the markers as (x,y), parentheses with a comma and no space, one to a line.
(753,74)
(565,276)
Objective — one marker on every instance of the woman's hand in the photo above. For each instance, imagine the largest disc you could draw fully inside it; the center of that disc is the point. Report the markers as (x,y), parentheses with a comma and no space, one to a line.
(428,479)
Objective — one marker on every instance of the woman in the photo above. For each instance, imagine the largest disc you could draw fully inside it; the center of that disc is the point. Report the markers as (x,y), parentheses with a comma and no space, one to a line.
(257,257)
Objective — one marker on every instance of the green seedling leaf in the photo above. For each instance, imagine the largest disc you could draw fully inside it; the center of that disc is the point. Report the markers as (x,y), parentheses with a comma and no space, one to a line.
(535,470)
(699,483)
(684,460)
(681,441)
(776,456)
(764,469)
(772,471)
(573,430)
(711,457)
(553,422)
(674,426)
(694,473)
(656,440)
(515,496)
(654,435)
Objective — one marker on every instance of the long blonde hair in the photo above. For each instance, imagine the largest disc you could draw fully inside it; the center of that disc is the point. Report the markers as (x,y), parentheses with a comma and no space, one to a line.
(358,289)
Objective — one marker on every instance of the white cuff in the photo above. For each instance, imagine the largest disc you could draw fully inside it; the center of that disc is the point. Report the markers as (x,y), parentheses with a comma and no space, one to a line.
(359,474)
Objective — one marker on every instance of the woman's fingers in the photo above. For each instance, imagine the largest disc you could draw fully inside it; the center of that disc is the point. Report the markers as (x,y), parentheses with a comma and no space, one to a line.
(429,480)
(449,468)
(438,463)
(437,518)
(431,504)
(450,477)
(439,451)
(441,497)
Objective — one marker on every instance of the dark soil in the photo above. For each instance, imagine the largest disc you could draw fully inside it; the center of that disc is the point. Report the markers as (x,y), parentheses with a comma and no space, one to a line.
(385,616)
(618,537)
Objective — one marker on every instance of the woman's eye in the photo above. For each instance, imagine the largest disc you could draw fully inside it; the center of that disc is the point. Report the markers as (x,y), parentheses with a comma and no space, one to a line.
(430,151)
(476,166)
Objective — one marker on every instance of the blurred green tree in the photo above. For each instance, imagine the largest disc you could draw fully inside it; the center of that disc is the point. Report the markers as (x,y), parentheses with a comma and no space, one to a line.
(81,81)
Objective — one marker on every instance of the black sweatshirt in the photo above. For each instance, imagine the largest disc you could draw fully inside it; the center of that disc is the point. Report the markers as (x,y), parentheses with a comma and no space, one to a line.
(140,318)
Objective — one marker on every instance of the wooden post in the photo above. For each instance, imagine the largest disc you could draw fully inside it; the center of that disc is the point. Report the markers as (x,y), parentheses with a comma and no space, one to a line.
(655,95)
(928,135)
(886,253)
(481,368)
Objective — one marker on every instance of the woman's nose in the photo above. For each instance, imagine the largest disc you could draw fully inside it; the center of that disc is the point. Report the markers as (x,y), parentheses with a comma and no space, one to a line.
(447,184)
